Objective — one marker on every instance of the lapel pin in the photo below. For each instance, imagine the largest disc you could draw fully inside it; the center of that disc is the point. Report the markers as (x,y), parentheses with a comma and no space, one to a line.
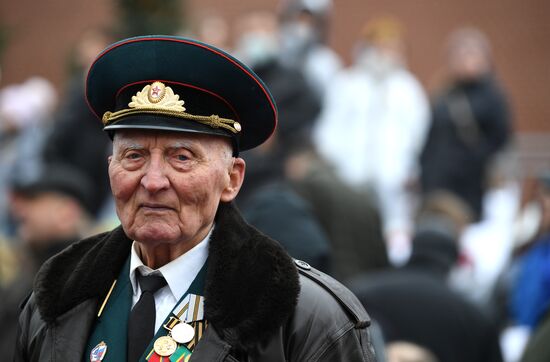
(98,353)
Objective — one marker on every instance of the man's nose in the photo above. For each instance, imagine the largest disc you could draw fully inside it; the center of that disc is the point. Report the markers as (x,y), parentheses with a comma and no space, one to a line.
(155,178)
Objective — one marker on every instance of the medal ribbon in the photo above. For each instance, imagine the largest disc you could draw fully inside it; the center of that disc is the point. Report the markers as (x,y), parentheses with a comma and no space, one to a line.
(189,309)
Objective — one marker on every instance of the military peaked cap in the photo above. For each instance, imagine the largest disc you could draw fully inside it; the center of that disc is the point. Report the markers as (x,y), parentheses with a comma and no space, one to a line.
(178,84)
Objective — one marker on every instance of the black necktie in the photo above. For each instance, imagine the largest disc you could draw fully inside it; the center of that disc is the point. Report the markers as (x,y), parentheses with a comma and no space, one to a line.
(141,325)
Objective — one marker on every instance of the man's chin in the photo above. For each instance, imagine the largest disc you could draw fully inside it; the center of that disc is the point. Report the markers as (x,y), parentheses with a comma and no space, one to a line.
(155,234)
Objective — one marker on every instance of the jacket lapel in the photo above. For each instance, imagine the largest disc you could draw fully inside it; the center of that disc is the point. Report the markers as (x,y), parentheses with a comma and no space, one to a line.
(70,332)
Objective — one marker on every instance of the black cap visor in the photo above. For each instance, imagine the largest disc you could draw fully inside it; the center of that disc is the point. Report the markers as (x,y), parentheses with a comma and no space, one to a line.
(166,123)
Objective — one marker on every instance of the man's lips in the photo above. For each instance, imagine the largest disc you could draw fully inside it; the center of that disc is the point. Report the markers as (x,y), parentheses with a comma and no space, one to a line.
(150,206)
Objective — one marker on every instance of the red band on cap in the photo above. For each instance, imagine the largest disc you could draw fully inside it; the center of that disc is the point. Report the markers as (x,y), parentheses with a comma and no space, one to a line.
(237,118)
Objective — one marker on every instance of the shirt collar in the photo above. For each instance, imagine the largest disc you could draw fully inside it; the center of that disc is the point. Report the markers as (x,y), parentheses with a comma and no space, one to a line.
(179,273)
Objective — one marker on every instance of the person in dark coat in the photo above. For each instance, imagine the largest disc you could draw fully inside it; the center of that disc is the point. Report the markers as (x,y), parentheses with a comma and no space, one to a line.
(349,218)
(51,212)
(268,201)
(88,152)
(415,304)
(184,276)
(470,123)
(258,45)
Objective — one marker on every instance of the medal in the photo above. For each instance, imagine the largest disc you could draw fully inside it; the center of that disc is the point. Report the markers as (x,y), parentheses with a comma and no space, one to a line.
(182,333)
(99,351)
(164,346)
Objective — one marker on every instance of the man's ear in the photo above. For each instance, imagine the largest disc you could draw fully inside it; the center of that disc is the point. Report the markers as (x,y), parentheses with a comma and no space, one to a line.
(236,178)
(109,159)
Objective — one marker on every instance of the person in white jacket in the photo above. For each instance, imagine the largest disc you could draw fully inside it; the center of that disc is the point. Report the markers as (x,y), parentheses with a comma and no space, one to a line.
(373,127)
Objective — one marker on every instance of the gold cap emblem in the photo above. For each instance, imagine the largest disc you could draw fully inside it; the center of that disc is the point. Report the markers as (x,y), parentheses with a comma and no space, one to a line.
(157,96)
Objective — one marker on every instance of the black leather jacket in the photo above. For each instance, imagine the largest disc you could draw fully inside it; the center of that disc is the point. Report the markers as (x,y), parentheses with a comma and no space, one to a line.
(288,311)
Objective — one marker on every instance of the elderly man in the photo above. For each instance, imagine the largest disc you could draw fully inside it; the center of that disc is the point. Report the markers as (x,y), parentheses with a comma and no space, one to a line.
(184,277)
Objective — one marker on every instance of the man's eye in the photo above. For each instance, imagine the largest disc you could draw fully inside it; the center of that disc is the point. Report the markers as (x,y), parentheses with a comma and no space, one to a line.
(182,157)
(133,156)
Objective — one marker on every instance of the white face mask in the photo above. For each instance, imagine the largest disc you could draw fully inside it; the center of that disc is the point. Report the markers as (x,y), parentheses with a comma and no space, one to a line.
(375,62)
(256,49)
(296,37)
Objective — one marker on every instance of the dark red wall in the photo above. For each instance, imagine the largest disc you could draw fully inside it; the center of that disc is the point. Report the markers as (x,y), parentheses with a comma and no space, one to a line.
(43,32)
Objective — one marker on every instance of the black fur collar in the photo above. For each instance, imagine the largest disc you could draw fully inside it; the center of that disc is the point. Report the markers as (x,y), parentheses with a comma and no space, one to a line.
(251,285)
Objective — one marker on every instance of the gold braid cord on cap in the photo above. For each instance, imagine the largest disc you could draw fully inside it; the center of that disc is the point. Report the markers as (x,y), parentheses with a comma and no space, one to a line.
(157,98)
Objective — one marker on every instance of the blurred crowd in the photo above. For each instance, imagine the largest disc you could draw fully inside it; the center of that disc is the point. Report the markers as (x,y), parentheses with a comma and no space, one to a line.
(412,200)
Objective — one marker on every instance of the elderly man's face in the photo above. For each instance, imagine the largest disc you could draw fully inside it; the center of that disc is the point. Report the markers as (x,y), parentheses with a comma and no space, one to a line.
(167,185)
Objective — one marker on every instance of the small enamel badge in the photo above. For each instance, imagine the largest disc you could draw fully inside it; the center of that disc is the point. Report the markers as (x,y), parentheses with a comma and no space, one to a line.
(98,353)
(156,92)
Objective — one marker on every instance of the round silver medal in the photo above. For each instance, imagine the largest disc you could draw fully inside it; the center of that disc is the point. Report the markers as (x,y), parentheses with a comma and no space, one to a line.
(183,333)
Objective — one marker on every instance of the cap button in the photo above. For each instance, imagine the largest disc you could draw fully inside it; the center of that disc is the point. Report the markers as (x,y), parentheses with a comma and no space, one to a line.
(302,264)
